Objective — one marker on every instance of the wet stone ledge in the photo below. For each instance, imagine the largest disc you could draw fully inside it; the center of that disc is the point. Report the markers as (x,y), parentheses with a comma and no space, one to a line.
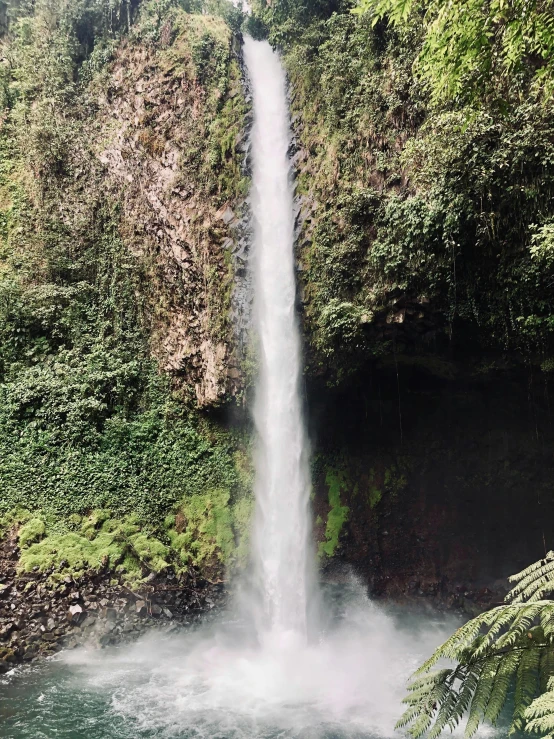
(37,620)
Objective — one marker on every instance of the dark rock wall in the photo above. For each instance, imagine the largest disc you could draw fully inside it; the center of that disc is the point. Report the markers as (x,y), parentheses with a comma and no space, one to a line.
(448,481)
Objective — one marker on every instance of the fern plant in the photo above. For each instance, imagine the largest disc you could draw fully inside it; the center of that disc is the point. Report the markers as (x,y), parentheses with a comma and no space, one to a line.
(509,647)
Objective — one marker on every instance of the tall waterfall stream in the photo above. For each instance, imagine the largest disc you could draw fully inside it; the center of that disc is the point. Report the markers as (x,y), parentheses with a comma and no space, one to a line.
(281,527)
(285,661)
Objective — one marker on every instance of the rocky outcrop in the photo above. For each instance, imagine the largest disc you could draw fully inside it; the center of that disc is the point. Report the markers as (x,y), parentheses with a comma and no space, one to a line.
(38,619)
(442,486)
(171,133)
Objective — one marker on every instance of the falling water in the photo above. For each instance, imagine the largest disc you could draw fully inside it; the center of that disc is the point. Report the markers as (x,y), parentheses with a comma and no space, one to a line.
(219,681)
(282,475)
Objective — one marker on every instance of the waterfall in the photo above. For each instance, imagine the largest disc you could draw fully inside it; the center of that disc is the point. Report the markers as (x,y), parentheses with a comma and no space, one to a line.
(220,680)
(282,522)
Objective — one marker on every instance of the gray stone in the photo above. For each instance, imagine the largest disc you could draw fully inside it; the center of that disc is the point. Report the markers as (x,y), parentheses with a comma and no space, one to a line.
(227,216)
(75,613)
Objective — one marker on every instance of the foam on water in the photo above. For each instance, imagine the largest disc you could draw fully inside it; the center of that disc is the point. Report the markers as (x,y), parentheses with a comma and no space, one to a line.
(219,683)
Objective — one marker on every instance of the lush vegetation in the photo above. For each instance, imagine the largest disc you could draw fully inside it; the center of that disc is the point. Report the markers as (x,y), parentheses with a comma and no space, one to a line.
(87,422)
(507,650)
(428,211)
(474,50)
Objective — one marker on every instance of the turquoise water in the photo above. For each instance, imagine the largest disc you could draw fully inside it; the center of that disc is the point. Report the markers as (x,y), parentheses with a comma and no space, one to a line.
(56,700)
(216,684)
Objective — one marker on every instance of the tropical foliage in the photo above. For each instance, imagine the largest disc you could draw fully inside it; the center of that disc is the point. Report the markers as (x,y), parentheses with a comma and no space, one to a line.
(473,48)
(428,212)
(87,422)
(505,654)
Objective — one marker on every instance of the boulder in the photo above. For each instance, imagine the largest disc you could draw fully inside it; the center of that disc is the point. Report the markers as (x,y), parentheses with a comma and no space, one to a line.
(75,614)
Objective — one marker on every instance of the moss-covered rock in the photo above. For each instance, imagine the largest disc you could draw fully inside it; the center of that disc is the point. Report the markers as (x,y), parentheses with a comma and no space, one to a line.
(208,529)
(101,543)
(31,532)
(338,514)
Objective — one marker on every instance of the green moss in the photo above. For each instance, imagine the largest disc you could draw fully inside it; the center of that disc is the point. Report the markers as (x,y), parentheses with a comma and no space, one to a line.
(101,542)
(390,481)
(226,131)
(77,553)
(204,527)
(210,528)
(375,496)
(31,532)
(150,550)
(244,469)
(13,518)
(242,512)
(92,522)
(338,514)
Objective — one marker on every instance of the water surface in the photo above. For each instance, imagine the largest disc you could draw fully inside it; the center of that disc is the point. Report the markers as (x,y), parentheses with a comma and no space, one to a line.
(219,683)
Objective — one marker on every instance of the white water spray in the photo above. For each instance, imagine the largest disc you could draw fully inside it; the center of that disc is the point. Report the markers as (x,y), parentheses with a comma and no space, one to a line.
(282,524)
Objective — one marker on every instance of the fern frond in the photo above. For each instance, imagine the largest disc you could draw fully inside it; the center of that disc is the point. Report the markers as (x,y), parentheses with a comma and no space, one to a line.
(421,725)
(461,638)
(546,669)
(539,716)
(547,621)
(549,557)
(522,623)
(447,708)
(533,582)
(426,693)
(502,681)
(527,686)
(500,648)
(517,618)
(509,645)
(465,695)
(482,695)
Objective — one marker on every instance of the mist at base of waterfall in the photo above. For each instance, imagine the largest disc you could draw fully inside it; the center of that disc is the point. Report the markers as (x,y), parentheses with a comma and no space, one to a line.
(217,683)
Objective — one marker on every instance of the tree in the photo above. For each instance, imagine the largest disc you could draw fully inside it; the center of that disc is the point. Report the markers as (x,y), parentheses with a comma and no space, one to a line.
(479,48)
(510,646)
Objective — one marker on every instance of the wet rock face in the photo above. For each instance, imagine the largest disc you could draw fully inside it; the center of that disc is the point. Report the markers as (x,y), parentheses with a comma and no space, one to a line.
(172,149)
(37,620)
(447,481)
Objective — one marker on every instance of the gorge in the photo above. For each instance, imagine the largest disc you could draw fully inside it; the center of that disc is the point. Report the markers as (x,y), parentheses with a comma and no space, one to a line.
(272,666)
(275,336)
